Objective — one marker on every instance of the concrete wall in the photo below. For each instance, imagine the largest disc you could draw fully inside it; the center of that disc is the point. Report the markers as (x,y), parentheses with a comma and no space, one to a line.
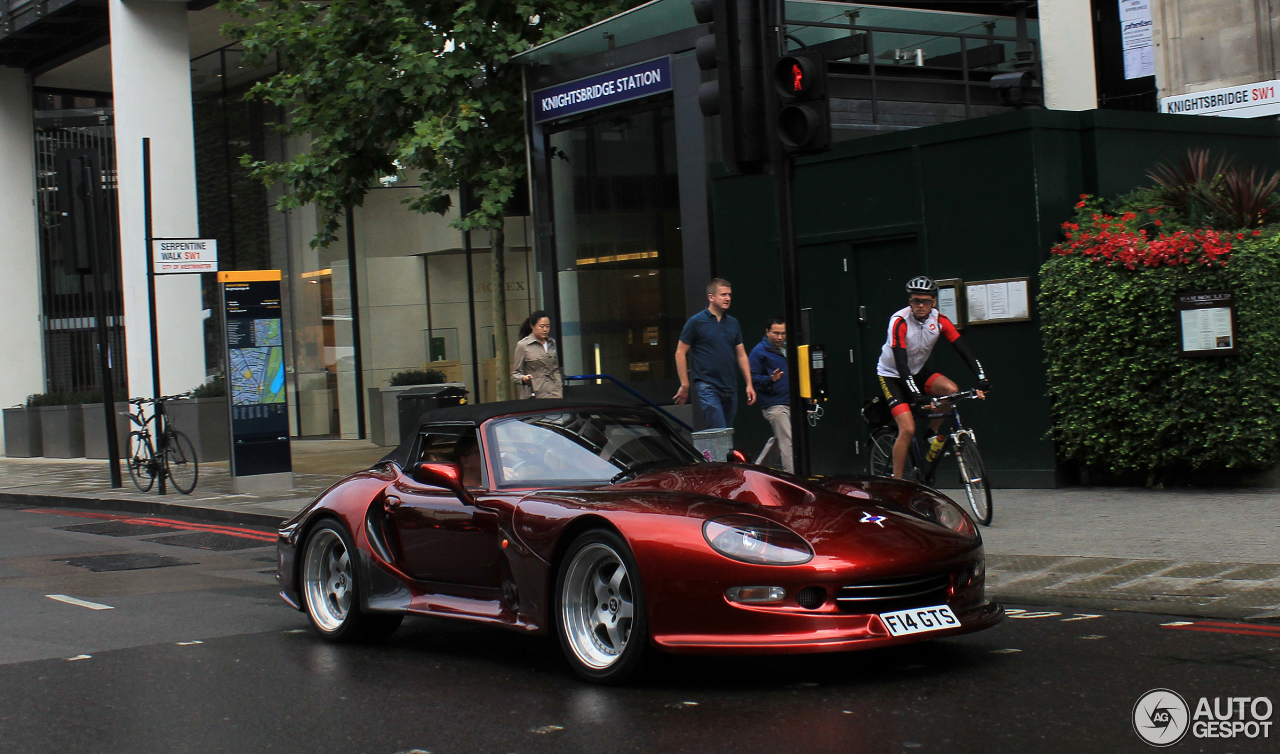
(20,339)
(151,85)
(1208,44)
(1066,39)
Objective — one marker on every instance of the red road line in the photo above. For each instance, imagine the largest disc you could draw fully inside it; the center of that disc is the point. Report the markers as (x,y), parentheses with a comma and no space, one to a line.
(1210,630)
(1247,626)
(163,522)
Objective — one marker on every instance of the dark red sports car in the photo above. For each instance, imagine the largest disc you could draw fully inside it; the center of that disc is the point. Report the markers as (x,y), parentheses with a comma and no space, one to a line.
(603,525)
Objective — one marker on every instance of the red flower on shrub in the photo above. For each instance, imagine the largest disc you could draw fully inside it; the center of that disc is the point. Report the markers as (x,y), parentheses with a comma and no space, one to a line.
(1111,241)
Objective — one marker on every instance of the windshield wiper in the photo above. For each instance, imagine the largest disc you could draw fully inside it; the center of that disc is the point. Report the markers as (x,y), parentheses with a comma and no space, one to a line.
(642,466)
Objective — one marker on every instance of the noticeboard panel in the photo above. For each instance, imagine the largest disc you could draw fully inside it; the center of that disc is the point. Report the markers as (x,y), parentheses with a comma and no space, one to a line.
(256,376)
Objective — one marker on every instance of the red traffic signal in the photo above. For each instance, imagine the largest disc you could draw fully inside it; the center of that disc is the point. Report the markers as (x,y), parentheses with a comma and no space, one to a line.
(797,76)
(804,116)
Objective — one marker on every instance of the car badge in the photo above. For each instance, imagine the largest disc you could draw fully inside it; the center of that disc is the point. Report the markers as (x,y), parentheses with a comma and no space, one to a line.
(871,518)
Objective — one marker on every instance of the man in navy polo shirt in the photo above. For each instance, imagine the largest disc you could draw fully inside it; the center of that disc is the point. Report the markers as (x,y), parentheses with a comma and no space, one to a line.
(713,340)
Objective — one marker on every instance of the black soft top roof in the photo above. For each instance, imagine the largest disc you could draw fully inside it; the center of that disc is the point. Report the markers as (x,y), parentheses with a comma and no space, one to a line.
(479,413)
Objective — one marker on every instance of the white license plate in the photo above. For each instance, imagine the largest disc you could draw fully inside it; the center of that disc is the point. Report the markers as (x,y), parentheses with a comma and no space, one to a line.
(919,620)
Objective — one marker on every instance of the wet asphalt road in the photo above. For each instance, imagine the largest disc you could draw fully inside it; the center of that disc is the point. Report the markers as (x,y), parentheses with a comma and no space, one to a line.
(203,657)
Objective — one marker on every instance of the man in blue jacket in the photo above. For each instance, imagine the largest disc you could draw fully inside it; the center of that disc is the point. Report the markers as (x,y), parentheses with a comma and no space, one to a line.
(769,376)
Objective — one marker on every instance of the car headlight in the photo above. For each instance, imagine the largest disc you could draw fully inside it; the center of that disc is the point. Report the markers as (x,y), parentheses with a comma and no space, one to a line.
(751,539)
(943,512)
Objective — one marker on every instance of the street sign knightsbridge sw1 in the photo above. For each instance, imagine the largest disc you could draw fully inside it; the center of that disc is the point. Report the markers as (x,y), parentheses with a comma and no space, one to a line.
(184,255)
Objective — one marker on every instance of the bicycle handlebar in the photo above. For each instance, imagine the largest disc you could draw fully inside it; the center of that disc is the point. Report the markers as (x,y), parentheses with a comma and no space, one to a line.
(161,399)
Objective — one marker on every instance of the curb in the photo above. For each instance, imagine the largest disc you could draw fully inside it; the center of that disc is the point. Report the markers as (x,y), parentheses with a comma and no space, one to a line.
(147,507)
(1153,605)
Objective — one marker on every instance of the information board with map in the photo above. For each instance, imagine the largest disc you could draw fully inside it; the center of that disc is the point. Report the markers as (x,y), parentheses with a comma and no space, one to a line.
(256,373)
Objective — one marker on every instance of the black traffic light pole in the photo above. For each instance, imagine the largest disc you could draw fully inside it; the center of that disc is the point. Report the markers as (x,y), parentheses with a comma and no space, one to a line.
(92,182)
(759,87)
(85,246)
(784,183)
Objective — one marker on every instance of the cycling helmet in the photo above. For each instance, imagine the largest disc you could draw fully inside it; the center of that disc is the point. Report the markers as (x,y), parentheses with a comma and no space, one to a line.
(922,284)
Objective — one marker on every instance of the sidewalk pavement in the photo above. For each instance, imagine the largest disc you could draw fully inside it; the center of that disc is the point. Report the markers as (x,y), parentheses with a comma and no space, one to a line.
(1208,553)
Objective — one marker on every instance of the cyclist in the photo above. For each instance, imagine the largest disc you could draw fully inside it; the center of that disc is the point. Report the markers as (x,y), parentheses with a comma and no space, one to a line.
(913,332)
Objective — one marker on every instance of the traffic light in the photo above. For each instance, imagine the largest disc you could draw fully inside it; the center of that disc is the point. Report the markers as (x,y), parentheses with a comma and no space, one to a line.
(735,51)
(804,115)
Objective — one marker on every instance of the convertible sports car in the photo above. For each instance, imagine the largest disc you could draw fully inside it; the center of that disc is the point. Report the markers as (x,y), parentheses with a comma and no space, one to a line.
(601,524)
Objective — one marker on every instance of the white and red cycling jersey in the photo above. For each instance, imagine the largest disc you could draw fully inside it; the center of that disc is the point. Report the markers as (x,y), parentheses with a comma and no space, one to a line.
(911,342)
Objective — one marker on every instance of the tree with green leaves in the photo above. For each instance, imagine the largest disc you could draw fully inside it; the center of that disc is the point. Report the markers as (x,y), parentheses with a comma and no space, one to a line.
(426,86)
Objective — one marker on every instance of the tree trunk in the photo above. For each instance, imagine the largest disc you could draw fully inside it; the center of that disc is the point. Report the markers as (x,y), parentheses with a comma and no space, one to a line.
(498,282)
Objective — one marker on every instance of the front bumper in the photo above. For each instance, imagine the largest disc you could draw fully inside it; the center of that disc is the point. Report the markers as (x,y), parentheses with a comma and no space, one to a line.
(828,633)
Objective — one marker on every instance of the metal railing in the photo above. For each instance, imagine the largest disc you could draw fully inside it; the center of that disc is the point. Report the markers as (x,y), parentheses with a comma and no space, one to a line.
(976,50)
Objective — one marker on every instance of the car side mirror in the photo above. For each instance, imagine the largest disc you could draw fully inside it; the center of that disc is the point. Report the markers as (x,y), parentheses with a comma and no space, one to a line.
(737,456)
(446,475)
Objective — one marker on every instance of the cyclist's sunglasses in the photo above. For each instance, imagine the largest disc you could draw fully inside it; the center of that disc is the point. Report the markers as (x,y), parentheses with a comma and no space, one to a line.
(921,301)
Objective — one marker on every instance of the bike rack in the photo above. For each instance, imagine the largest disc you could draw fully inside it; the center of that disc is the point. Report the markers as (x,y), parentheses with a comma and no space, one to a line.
(624,386)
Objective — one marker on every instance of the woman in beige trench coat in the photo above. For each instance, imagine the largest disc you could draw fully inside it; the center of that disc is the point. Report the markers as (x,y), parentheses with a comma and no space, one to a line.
(535,367)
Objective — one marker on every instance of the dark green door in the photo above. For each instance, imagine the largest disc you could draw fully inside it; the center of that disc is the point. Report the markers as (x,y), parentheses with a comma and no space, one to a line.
(850,290)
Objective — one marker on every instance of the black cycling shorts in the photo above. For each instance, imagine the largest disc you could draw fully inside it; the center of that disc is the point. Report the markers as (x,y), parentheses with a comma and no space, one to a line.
(898,395)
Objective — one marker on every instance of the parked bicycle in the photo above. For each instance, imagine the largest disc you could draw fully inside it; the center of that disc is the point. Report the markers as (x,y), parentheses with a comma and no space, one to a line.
(171,455)
(924,456)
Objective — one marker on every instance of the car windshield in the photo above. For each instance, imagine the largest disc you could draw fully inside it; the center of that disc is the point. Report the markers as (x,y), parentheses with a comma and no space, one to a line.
(582,447)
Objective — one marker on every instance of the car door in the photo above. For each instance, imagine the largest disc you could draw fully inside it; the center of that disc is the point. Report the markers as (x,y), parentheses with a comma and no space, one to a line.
(442,538)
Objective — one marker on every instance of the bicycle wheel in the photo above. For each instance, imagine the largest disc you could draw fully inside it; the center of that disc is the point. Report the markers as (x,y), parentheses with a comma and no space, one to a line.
(881,446)
(180,461)
(138,459)
(881,462)
(973,477)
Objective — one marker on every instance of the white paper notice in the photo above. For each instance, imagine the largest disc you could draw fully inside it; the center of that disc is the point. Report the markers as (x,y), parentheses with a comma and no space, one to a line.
(997,300)
(976,295)
(1206,329)
(1136,38)
(1019,305)
(947,304)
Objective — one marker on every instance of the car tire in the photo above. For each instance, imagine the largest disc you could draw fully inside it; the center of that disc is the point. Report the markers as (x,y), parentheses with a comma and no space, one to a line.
(330,589)
(600,608)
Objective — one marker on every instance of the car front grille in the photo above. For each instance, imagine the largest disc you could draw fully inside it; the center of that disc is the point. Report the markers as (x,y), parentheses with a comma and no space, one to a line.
(887,595)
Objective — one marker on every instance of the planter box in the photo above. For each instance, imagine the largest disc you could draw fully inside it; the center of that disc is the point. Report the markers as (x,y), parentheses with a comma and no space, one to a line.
(22,436)
(205,421)
(62,428)
(384,417)
(95,433)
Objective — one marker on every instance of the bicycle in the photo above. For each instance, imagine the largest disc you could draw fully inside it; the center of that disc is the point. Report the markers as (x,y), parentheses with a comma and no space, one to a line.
(923,461)
(173,455)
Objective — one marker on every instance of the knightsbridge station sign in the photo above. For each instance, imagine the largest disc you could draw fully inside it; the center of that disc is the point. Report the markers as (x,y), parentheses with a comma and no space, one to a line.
(1244,101)
(602,90)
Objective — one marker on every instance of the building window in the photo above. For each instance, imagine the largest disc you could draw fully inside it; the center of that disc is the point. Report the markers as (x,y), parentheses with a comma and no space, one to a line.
(619,262)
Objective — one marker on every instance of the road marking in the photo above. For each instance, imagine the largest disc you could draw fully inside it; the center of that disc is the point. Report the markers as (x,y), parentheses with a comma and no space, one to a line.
(1093,636)
(1217,627)
(1079,616)
(1025,614)
(1178,623)
(1246,626)
(79,603)
(188,643)
(547,729)
(234,531)
(1004,651)
(77,657)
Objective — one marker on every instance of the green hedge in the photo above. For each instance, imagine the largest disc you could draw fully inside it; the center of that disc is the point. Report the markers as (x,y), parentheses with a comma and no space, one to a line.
(1124,400)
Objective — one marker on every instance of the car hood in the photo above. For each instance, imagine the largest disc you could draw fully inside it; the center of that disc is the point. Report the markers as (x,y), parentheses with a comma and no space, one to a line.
(857,519)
